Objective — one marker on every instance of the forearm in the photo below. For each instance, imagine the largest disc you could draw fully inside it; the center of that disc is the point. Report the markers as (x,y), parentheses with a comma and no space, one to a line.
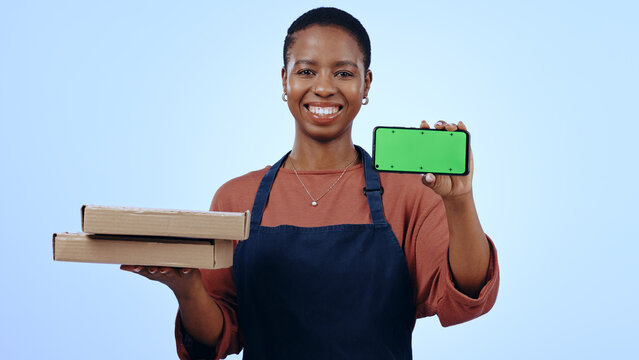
(201,316)
(468,251)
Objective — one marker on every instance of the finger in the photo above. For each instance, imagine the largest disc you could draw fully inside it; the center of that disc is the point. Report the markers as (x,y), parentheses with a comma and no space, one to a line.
(424,125)
(440,124)
(429,179)
(462,126)
(126,267)
(136,269)
(451,127)
(133,268)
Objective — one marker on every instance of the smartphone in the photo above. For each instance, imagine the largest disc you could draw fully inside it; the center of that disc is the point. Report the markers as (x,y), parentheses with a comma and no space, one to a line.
(415,150)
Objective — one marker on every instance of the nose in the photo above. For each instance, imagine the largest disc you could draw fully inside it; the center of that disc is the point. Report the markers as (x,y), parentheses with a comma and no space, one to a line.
(324,86)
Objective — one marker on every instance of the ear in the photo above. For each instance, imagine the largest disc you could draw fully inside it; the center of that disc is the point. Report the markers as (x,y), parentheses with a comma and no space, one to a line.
(284,79)
(368,79)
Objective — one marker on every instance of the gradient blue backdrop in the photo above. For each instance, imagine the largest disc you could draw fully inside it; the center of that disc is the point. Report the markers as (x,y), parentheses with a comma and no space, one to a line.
(158,103)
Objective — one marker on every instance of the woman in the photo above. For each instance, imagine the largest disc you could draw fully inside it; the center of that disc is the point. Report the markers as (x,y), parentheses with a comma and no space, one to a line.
(341,260)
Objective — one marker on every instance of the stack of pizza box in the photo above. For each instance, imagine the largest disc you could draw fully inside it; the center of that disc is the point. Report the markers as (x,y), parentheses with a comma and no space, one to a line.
(153,237)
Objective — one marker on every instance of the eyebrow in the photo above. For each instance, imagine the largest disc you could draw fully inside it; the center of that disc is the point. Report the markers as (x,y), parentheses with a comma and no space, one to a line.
(346,62)
(304,62)
(337,63)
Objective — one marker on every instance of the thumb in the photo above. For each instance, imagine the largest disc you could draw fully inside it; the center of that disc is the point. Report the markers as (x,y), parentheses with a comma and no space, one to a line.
(429,180)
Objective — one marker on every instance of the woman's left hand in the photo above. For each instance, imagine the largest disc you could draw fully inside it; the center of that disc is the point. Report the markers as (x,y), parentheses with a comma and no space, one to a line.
(447,186)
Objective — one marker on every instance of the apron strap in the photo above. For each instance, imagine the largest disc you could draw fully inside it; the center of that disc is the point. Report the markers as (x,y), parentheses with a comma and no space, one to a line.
(373,190)
(263,191)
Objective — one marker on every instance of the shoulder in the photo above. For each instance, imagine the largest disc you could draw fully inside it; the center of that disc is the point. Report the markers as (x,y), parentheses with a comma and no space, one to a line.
(237,194)
(241,182)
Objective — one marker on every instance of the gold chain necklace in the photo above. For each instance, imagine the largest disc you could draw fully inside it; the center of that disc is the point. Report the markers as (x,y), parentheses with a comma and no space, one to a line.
(315,201)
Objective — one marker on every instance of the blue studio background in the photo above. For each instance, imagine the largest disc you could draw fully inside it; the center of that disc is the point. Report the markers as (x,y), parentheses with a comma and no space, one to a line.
(158,103)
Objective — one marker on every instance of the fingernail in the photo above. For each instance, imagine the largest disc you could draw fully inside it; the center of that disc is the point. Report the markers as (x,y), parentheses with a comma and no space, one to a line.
(137,269)
(429,178)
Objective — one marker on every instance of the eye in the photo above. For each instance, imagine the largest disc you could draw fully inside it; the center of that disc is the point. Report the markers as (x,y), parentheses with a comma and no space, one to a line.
(305,72)
(343,74)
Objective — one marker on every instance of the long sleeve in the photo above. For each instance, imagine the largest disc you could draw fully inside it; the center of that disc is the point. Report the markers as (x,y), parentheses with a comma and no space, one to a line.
(219,285)
(435,289)
(415,213)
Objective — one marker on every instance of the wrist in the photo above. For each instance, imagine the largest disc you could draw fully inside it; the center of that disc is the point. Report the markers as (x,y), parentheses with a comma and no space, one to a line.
(458,201)
(190,292)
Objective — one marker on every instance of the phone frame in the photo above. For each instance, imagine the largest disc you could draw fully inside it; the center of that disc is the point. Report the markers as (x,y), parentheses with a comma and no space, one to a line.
(467,157)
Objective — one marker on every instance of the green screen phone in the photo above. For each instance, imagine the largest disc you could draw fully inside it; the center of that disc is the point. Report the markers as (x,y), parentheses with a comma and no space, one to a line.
(415,150)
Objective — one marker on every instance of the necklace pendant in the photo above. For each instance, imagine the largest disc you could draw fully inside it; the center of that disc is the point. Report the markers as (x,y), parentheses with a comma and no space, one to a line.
(314,202)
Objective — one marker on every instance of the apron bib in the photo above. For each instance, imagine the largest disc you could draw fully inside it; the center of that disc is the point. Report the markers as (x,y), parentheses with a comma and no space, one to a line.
(330,292)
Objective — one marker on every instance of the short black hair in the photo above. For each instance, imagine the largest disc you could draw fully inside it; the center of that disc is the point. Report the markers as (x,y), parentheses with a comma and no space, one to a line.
(328,16)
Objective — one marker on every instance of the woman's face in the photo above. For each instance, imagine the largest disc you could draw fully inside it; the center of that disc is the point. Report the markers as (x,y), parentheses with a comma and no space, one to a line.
(325,81)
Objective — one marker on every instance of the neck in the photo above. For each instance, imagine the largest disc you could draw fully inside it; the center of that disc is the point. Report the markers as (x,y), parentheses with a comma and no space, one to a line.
(322,156)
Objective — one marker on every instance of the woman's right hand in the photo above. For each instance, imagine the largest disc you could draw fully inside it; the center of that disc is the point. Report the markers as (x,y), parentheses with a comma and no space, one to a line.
(183,281)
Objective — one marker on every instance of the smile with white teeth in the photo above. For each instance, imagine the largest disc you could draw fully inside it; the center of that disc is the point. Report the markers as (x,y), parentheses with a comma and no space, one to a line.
(323,110)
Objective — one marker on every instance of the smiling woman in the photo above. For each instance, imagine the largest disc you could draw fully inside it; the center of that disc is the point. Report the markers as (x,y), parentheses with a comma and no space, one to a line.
(325,81)
(330,271)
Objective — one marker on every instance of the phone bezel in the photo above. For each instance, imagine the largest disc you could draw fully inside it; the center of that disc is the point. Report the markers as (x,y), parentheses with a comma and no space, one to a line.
(467,160)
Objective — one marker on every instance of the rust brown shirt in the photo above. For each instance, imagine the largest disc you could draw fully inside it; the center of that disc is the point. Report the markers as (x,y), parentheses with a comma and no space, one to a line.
(415,213)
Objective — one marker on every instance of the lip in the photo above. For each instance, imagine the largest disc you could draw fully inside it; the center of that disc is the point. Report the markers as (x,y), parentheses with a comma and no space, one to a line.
(323,119)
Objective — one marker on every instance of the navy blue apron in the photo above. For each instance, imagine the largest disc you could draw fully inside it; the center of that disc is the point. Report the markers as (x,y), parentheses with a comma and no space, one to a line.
(330,292)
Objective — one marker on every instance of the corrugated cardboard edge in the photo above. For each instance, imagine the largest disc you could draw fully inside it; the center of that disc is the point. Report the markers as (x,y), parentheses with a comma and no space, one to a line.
(239,234)
(202,264)
(223,253)
(82,216)
(247,224)
(151,210)
(53,243)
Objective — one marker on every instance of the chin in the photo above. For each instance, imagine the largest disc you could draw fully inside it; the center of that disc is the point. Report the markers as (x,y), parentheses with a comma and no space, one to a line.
(325,134)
